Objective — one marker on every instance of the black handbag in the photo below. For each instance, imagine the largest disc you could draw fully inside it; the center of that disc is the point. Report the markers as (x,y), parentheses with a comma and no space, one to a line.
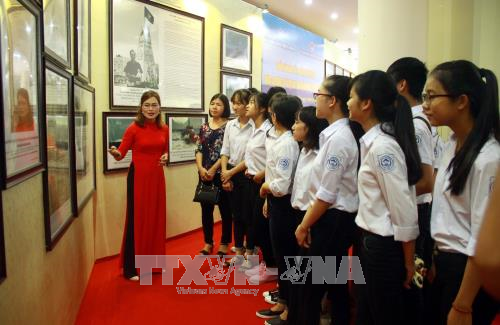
(206,193)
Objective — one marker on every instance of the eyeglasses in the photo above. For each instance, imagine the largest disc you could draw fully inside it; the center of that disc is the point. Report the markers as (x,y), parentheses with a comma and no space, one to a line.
(315,95)
(148,106)
(426,98)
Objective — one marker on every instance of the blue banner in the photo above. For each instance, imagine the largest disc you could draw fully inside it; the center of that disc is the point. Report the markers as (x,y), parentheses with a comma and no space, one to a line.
(292,58)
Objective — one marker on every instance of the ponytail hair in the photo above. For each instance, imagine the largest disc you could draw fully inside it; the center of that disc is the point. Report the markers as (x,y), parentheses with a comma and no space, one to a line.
(394,114)
(459,78)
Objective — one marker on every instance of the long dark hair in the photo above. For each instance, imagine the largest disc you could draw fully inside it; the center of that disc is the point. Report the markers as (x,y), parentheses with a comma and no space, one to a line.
(465,78)
(339,87)
(261,102)
(285,107)
(394,113)
(314,125)
(243,95)
(139,118)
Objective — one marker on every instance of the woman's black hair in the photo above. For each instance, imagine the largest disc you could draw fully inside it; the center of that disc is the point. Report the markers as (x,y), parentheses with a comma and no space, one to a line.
(261,101)
(284,108)
(274,90)
(481,88)
(413,71)
(225,101)
(340,87)
(394,113)
(253,90)
(243,95)
(314,125)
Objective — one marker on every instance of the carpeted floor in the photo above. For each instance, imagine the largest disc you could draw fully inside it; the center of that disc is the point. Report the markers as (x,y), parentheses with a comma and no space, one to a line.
(110,299)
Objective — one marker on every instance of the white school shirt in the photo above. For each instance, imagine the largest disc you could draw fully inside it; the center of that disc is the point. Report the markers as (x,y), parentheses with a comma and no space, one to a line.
(301,191)
(255,152)
(387,204)
(456,219)
(334,173)
(423,137)
(281,159)
(235,140)
(438,145)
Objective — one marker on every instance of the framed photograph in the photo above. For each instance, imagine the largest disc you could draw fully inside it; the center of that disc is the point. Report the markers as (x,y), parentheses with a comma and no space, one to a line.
(3,264)
(236,49)
(347,73)
(82,38)
(57,35)
(84,103)
(155,47)
(339,71)
(230,82)
(114,126)
(183,134)
(21,95)
(59,185)
(329,68)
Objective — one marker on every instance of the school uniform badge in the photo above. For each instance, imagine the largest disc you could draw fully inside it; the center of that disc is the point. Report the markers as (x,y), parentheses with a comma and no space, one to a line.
(284,163)
(418,138)
(333,162)
(386,162)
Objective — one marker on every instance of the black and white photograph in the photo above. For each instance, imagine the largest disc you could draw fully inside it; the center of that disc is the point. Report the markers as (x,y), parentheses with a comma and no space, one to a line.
(183,136)
(114,126)
(58,174)
(83,39)
(20,68)
(84,142)
(57,35)
(156,48)
(329,68)
(236,49)
(230,82)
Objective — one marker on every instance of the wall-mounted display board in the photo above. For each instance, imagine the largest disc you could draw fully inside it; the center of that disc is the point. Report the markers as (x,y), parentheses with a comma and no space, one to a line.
(114,126)
(82,36)
(57,31)
(236,49)
(155,47)
(59,185)
(84,142)
(183,135)
(21,95)
(230,82)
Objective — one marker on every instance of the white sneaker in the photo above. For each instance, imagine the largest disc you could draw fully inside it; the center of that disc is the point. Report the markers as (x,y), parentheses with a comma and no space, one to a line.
(256,269)
(233,249)
(247,265)
(271,274)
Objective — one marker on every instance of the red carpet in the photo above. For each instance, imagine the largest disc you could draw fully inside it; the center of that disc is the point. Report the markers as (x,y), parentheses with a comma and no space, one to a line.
(110,299)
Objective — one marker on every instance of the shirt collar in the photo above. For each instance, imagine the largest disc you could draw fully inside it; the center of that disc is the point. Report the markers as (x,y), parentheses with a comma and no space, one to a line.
(368,137)
(237,123)
(332,128)
(266,125)
(417,109)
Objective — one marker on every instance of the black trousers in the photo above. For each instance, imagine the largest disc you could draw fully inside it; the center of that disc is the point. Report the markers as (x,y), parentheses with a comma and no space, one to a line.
(258,230)
(331,235)
(282,225)
(381,300)
(240,207)
(450,269)
(129,269)
(207,215)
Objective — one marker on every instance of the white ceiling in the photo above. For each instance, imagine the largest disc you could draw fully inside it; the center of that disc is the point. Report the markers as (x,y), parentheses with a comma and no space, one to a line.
(316,18)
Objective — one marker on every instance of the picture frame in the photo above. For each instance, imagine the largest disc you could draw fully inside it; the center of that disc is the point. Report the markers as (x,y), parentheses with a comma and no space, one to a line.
(21,95)
(339,71)
(167,58)
(59,175)
(84,121)
(57,35)
(3,262)
(183,130)
(82,36)
(329,68)
(230,82)
(236,49)
(114,125)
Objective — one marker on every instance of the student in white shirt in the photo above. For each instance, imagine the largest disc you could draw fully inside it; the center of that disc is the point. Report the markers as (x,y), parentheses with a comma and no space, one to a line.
(330,216)
(465,98)
(387,214)
(281,161)
(237,133)
(255,162)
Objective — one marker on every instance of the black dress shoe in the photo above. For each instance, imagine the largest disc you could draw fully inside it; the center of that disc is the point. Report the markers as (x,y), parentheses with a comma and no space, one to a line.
(207,252)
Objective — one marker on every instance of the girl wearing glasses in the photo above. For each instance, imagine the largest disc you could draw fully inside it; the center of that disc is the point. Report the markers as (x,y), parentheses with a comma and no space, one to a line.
(465,98)
(330,218)
(147,137)
(387,214)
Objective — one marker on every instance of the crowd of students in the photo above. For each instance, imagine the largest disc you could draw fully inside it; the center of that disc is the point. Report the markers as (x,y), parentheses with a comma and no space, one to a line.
(363,169)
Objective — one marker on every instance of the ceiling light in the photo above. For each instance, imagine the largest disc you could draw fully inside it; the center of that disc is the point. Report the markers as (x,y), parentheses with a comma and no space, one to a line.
(265,10)
(334,16)
(355,30)
(308,2)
